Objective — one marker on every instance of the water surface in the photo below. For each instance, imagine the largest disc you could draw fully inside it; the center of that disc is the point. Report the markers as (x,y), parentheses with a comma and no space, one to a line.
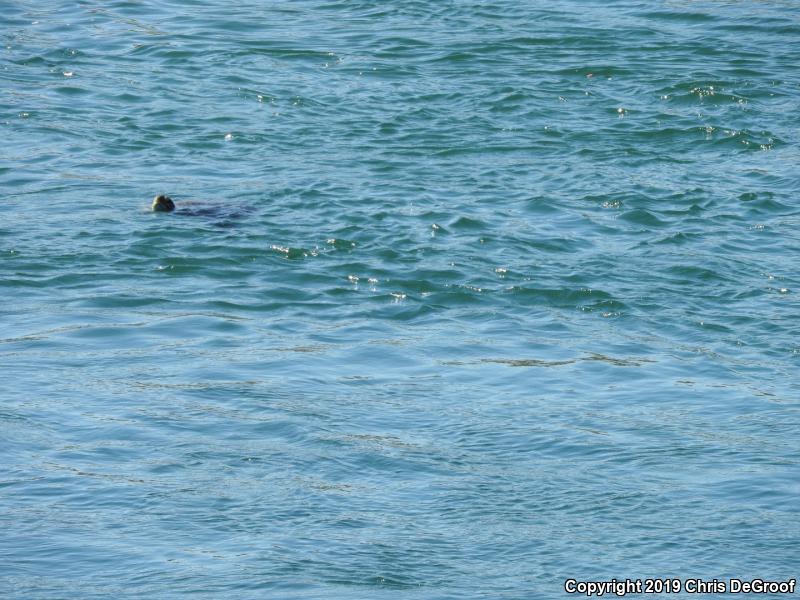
(484,296)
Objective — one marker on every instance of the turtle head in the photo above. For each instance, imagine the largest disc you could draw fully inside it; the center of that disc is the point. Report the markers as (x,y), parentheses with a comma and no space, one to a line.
(163,204)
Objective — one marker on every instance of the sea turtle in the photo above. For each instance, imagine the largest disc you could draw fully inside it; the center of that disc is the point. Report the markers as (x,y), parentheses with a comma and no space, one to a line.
(162,203)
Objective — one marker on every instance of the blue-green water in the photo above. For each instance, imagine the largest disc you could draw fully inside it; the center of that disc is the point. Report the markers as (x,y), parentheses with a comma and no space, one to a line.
(483,295)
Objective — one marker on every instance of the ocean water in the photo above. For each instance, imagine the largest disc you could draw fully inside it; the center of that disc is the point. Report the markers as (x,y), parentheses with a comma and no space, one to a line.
(460,300)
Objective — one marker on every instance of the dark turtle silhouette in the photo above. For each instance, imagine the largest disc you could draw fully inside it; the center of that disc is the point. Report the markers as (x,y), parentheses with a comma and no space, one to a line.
(225,212)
